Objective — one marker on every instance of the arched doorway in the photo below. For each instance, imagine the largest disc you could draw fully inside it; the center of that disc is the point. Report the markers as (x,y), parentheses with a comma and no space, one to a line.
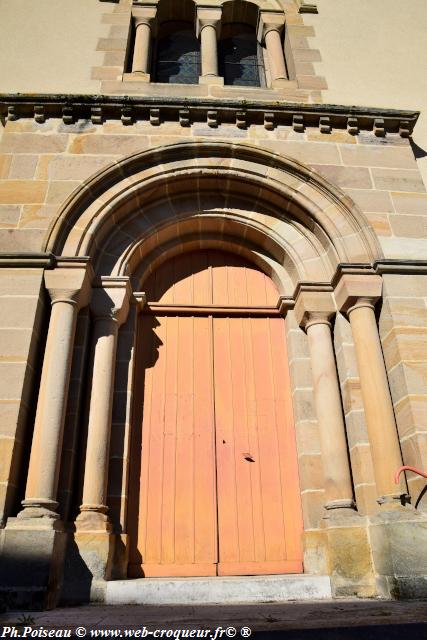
(214,482)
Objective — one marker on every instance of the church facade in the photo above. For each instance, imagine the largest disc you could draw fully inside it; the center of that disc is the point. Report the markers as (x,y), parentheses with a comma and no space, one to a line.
(213,285)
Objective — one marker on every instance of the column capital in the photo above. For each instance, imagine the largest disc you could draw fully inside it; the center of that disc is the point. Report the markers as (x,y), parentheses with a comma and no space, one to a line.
(140,299)
(269,21)
(357,290)
(70,281)
(144,13)
(208,16)
(314,305)
(111,299)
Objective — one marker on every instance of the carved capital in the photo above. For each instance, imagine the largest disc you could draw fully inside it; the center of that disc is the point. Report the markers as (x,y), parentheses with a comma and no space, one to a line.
(110,299)
(357,290)
(208,17)
(314,306)
(144,13)
(269,21)
(70,281)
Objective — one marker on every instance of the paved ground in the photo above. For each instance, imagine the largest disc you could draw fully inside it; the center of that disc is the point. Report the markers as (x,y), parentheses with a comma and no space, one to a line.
(337,620)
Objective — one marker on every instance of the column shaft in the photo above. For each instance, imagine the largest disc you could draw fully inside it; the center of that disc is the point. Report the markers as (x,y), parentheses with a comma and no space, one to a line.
(209,50)
(141,53)
(276,56)
(52,402)
(377,401)
(101,402)
(338,484)
(110,306)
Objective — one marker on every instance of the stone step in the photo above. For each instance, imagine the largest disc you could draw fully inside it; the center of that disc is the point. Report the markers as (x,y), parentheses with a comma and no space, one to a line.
(218,590)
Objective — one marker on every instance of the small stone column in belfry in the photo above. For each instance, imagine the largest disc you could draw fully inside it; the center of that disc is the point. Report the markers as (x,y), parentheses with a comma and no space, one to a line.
(144,22)
(270,27)
(208,27)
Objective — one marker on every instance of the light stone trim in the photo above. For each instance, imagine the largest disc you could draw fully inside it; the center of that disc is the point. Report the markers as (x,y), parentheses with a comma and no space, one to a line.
(144,19)
(289,186)
(269,30)
(75,107)
(110,307)
(314,309)
(68,286)
(356,295)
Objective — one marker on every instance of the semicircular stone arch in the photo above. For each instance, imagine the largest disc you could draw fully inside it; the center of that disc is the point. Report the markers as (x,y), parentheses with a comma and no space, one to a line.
(269,208)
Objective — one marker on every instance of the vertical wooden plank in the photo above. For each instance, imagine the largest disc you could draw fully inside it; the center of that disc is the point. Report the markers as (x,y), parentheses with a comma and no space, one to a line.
(245,459)
(254,436)
(237,284)
(164,282)
(228,530)
(220,283)
(184,498)
(184,280)
(169,449)
(152,451)
(140,436)
(205,506)
(268,454)
(292,514)
(202,282)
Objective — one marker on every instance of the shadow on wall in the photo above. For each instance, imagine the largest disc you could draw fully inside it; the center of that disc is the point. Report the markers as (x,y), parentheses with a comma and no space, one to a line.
(417,151)
(78,578)
(149,350)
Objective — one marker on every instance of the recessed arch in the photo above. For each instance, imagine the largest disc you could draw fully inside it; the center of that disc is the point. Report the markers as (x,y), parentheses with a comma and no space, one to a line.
(190,190)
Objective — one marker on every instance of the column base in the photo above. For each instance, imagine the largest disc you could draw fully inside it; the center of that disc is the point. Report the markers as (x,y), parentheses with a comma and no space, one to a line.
(31,567)
(34,509)
(93,518)
(136,76)
(398,538)
(282,83)
(216,80)
(341,505)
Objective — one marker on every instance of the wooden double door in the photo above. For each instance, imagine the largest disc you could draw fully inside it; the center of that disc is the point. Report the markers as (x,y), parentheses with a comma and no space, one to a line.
(216,489)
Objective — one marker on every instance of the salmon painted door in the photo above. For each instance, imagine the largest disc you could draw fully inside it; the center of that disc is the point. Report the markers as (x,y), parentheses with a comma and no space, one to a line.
(177,532)
(216,489)
(259,526)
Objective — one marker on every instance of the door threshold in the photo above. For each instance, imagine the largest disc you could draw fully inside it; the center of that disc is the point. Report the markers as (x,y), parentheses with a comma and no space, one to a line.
(221,590)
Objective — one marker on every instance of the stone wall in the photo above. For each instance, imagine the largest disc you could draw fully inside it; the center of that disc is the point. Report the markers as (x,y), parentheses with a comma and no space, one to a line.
(403,323)
(42,163)
(22,311)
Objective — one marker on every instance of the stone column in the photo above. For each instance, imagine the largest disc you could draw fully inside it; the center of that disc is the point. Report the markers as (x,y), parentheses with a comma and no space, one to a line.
(110,306)
(144,21)
(208,28)
(270,27)
(356,295)
(313,310)
(69,289)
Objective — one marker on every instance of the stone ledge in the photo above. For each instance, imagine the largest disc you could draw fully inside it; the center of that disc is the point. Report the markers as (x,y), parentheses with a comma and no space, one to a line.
(272,113)
(27,261)
(218,590)
(402,267)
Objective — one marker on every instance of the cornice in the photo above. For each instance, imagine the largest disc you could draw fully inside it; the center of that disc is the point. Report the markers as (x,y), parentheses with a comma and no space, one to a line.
(401,267)
(307,7)
(27,261)
(74,107)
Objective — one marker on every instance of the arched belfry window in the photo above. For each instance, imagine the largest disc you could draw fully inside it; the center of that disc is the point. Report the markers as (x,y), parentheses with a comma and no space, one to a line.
(177,58)
(240,56)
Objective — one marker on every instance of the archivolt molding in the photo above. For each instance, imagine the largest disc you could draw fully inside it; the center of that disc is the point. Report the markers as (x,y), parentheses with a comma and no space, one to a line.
(278,205)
